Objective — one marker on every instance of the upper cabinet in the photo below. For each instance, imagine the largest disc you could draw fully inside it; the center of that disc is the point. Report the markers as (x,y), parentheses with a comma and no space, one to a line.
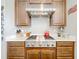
(59,16)
(39,1)
(21,16)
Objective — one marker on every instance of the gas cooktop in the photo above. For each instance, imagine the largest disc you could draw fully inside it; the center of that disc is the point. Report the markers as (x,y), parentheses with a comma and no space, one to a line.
(33,37)
(32,41)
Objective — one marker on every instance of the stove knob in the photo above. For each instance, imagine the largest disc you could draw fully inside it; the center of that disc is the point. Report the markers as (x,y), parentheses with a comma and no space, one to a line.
(28,45)
(48,45)
(52,45)
(32,45)
(40,45)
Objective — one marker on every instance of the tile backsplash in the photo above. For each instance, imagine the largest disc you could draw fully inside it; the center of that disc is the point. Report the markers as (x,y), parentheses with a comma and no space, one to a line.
(39,25)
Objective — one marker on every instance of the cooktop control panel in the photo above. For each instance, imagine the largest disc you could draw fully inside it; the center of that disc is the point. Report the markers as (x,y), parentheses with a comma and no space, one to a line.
(45,43)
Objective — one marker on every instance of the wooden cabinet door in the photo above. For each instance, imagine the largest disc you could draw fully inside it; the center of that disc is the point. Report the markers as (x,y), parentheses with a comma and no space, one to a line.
(48,54)
(58,18)
(15,50)
(21,16)
(65,50)
(33,54)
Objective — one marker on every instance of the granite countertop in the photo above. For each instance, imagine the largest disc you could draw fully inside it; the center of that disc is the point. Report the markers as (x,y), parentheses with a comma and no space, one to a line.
(23,38)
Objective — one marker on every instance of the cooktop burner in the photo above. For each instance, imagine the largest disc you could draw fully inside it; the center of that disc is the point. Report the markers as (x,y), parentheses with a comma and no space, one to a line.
(33,37)
(40,41)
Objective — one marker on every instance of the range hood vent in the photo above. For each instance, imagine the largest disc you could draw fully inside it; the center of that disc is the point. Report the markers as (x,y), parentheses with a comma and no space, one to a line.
(39,12)
(43,10)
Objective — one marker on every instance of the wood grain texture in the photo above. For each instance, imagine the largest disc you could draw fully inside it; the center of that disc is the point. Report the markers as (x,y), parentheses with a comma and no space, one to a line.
(15,44)
(58,18)
(33,54)
(65,50)
(16,58)
(41,53)
(15,50)
(65,44)
(48,54)
(21,16)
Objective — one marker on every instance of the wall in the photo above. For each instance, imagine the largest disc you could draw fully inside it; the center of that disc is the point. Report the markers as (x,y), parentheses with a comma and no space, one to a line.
(39,24)
(10,28)
(71,27)
(9,18)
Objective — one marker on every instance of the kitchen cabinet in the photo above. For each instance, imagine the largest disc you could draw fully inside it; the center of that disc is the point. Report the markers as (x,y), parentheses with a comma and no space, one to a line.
(38,53)
(15,50)
(40,1)
(59,16)
(65,50)
(33,54)
(21,16)
(48,54)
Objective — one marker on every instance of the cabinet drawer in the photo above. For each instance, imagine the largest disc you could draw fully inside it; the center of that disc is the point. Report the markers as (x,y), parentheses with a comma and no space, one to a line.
(16,58)
(64,51)
(16,51)
(64,58)
(17,43)
(65,43)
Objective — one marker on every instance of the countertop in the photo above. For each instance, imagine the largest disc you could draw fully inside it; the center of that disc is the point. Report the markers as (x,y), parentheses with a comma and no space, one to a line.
(22,38)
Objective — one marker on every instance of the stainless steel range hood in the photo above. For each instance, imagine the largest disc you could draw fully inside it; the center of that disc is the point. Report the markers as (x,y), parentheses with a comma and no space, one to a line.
(34,12)
(41,11)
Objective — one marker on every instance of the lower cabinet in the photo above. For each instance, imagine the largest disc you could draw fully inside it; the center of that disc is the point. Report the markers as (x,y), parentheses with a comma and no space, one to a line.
(33,54)
(65,50)
(15,50)
(48,54)
(40,54)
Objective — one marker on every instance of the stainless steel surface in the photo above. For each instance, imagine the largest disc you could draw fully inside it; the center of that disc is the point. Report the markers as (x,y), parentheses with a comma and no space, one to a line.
(33,42)
(33,37)
(40,9)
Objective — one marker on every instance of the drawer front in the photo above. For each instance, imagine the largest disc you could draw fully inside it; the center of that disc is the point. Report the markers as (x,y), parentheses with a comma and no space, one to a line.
(16,58)
(64,58)
(17,44)
(16,51)
(64,51)
(65,43)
